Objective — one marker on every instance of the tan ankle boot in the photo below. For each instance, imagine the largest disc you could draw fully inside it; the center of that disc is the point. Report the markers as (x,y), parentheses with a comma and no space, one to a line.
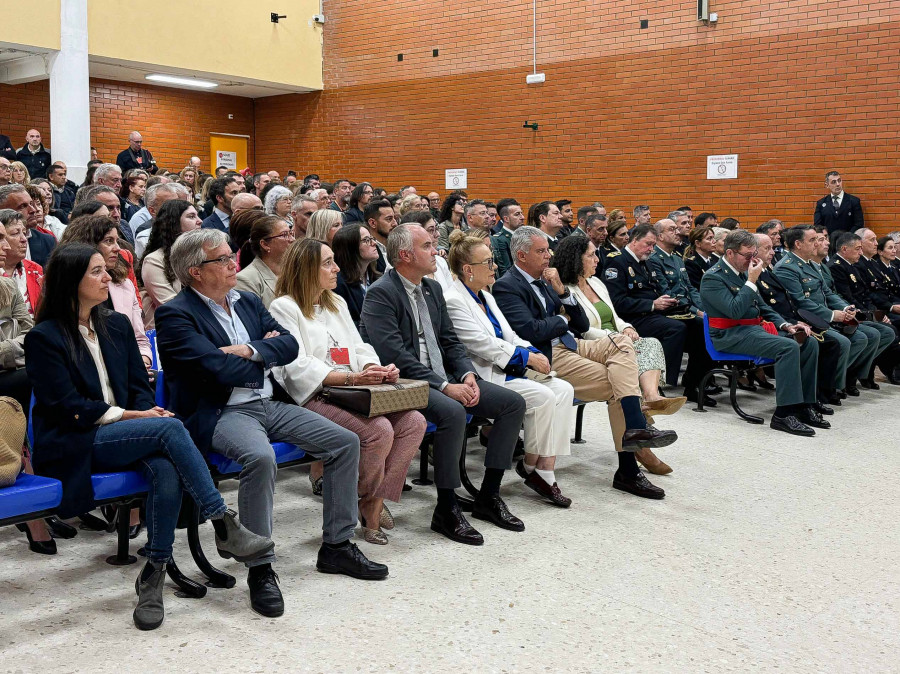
(651,462)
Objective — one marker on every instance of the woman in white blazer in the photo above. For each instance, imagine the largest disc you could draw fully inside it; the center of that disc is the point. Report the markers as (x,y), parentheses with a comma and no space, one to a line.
(501,357)
(332,353)
(576,263)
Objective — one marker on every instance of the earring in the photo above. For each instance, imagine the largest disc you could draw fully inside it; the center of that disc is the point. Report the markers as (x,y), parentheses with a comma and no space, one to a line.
(471,278)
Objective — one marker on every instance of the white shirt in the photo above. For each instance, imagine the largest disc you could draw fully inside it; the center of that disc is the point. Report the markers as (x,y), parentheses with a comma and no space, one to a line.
(411,288)
(114,413)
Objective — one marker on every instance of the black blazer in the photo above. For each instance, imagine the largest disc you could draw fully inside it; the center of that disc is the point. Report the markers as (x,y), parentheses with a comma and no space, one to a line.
(200,377)
(353,214)
(41,245)
(530,320)
(6,148)
(388,324)
(696,268)
(848,219)
(69,400)
(849,283)
(354,296)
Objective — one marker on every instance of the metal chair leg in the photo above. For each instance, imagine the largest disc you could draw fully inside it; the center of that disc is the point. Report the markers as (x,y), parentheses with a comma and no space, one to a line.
(188,588)
(579,422)
(422,480)
(122,558)
(464,472)
(216,578)
(734,403)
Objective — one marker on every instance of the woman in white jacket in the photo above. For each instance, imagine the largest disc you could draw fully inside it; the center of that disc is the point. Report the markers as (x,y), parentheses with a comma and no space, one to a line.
(332,353)
(502,357)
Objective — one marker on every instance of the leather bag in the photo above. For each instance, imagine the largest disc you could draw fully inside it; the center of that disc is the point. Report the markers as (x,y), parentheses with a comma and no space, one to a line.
(375,400)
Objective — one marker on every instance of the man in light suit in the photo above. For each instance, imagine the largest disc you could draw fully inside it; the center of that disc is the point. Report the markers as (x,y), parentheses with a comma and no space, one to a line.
(218,345)
(838,211)
(405,319)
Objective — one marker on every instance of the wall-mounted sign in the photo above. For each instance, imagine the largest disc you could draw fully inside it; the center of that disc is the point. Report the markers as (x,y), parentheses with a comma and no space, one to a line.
(456,179)
(226,159)
(721,166)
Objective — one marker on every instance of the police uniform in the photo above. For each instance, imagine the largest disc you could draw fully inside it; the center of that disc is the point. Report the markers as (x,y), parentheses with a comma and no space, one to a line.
(673,280)
(731,296)
(875,280)
(809,290)
(889,278)
(633,286)
(696,267)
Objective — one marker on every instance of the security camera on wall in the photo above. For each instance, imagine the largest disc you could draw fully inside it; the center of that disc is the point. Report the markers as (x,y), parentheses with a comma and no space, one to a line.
(318,18)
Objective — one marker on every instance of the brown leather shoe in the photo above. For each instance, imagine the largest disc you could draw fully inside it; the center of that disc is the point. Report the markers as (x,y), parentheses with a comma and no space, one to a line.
(549,492)
(635,439)
(637,485)
(665,406)
(651,462)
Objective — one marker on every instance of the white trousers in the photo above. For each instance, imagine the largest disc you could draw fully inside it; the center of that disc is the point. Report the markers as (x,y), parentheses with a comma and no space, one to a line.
(548,415)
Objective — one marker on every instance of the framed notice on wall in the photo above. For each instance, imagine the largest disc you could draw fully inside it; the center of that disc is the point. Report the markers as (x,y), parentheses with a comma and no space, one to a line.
(456,179)
(721,166)
(226,159)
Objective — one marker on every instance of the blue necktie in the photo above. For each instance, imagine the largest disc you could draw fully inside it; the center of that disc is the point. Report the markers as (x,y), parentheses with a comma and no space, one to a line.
(567,339)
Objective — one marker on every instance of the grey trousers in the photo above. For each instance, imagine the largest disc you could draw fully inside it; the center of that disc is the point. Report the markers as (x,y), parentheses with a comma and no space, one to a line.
(505,407)
(244,433)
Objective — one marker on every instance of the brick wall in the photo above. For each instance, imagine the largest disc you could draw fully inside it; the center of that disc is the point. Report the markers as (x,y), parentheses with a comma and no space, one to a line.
(626,116)
(175,123)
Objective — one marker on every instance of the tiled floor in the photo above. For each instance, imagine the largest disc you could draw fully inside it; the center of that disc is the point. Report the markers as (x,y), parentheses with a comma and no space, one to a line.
(768,553)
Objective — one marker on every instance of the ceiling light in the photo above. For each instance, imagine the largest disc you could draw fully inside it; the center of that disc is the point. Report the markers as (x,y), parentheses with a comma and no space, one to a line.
(183,81)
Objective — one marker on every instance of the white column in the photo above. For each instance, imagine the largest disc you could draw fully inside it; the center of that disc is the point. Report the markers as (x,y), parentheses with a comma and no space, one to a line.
(70,112)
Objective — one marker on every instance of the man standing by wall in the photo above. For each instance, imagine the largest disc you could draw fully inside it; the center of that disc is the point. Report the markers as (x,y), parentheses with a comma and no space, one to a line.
(34,155)
(135,156)
(838,211)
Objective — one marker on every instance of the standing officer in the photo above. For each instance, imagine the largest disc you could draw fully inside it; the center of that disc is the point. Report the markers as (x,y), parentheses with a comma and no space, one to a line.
(838,211)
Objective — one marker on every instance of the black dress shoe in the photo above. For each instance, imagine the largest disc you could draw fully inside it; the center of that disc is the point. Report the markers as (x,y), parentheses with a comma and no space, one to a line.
(407,486)
(822,409)
(494,510)
(265,596)
(350,561)
(746,387)
(637,485)
(134,530)
(40,547)
(713,389)
(851,390)
(790,424)
(811,417)
(764,384)
(59,529)
(841,394)
(550,492)
(454,525)
(635,439)
(692,397)
(869,384)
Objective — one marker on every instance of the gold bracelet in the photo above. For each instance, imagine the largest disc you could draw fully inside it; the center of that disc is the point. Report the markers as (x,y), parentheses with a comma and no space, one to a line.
(347,379)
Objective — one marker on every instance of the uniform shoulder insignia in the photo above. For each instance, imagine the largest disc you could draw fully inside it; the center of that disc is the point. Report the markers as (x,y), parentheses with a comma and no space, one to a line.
(713,270)
(615,254)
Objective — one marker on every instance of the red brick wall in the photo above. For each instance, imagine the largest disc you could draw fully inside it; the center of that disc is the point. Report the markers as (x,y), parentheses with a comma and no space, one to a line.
(175,123)
(626,116)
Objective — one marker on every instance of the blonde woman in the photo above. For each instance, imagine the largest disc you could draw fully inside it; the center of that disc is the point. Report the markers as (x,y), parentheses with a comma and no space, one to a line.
(323,225)
(19,173)
(332,353)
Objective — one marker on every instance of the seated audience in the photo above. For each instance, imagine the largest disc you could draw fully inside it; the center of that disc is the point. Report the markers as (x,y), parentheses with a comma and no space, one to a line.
(404,317)
(270,237)
(699,255)
(158,282)
(302,208)
(719,234)
(63,189)
(189,176)
(707,220)
(239,230)
(217,346)
(93,414)
(380,221)
(616,236)
(27,274)
(278,202)
(546,219)
(333,354)
(890,273)
(17,198)
(451,218)
(323,225)
(541,310)
(503,358)
(730,224)
(19,174)
(356,256)
(110,198)
(511,217)
(97,231)
(55,220)
(132,195)
(359,198)
(221,192)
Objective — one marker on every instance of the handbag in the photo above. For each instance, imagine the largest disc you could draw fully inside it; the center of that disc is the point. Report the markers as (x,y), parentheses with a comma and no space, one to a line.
(375,400)
(12,437)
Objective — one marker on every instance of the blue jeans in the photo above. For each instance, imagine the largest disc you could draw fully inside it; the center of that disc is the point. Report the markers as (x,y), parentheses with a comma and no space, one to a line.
(162,449)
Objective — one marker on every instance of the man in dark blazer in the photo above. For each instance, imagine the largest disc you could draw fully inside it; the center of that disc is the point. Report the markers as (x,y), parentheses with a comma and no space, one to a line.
(221,192)
(40,245)
(217,346)
(404,318)
(540,309)
(838,211)
(6,148)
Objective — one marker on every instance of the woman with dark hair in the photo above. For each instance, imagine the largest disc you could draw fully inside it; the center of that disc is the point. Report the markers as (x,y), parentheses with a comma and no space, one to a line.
(699,255)
(88,208)
(359,198)
(270,237)
(95,411)
(100,232)
(132,194)
(452,211)
(356,255)
(239,231)
(332,353)
(616,236)
(158,281)
(576,261)
(886,267)
(89,174)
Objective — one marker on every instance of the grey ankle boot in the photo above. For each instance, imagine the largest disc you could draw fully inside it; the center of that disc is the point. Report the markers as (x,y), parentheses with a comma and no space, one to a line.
(240,543)
(149,613)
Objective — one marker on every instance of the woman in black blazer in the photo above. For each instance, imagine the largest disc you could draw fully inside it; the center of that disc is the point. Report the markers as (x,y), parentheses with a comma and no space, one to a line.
(699,256)
(356,255)
(94,411)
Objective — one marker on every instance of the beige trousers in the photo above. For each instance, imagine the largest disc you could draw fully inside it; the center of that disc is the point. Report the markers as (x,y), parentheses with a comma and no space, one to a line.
(601,369)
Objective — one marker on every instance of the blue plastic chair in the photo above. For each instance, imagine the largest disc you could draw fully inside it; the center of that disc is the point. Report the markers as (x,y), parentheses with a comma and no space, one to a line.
(731,373)
(151,336)
(31,497)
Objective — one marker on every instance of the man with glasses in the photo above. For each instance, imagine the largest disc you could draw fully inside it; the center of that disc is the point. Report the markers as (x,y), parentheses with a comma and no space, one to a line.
(218,345)
(135,156)
(671,274)
(5,172)
(740,321)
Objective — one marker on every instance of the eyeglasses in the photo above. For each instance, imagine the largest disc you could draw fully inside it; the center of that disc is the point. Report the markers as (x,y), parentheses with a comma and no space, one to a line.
(489,262)
(222,260)
(289,234)
(367,240)
(746,256)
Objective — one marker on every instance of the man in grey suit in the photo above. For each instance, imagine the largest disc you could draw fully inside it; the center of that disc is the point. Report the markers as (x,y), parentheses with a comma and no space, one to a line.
(404,318)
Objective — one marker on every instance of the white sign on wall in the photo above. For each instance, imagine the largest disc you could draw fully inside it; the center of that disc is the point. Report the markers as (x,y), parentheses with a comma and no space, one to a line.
(456,179)
(721,166)
(226,159)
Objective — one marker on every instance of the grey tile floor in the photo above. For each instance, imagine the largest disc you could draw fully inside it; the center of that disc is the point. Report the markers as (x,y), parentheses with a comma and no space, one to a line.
(768,553)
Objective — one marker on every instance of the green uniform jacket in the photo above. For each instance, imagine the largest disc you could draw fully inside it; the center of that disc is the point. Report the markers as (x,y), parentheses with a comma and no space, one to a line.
(500,246)
(727,295)
(673,279)
(806,285)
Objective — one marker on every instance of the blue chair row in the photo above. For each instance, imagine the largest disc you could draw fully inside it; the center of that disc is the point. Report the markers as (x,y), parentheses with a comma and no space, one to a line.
(740,365)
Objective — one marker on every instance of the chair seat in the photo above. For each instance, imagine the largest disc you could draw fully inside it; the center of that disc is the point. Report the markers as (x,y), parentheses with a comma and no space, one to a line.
(576,402)
(722,356)
(284,453)
(29,494)
(116,485)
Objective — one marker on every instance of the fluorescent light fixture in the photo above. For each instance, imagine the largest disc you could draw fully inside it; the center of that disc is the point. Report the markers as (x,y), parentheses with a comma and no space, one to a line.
(183,81)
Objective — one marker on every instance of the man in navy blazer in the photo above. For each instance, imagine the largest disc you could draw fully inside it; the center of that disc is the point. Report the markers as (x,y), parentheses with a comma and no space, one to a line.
(221,192)
(838,211)
(217,345)
(542,310)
